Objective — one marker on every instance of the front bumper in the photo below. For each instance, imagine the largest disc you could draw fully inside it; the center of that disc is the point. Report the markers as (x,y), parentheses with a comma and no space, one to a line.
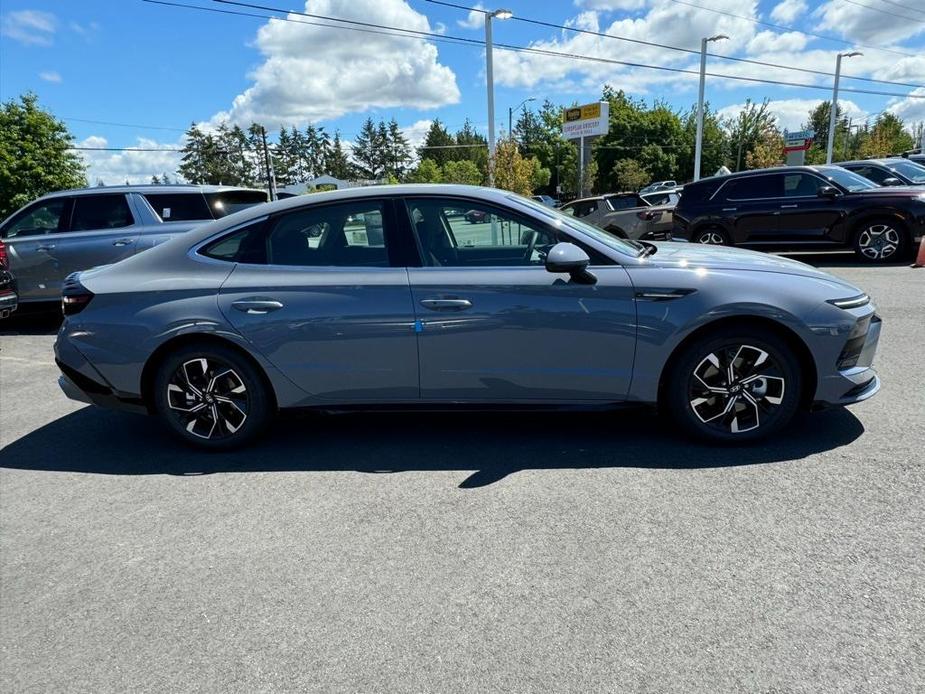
(858,383)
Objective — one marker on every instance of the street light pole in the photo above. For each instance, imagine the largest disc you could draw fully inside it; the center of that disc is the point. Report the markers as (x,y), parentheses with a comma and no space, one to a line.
(510,116)
(833,107)
(698,144)
(490,79)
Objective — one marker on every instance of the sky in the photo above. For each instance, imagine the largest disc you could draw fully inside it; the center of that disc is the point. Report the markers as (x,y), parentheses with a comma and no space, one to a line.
(128,73)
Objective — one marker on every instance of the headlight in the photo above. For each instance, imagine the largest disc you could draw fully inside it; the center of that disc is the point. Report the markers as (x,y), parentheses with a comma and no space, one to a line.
(851,301)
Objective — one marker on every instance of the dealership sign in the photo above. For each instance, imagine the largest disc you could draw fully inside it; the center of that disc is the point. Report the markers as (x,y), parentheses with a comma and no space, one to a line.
(586,121)
(799,141)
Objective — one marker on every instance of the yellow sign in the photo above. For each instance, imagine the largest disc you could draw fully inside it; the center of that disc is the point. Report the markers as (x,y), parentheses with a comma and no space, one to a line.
(586,112)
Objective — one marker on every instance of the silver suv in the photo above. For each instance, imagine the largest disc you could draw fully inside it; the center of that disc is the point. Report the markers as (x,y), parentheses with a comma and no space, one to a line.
(78,229)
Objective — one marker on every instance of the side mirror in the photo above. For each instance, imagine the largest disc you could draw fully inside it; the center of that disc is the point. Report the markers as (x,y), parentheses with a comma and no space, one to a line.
(567,257)
(891,181)
(828,192)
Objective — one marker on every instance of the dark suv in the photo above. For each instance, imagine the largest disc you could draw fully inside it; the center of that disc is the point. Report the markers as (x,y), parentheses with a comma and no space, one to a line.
(894,171)
(805,207)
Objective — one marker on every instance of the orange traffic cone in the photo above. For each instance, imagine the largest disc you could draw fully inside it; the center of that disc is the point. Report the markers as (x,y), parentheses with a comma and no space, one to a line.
(920,259)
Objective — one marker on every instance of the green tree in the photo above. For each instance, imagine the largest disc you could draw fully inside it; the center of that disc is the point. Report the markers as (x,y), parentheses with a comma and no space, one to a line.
(337,163)
(438,144)
(511,171)
(767,152)
(754,125)
(463,171)
(397,150)
(367,150)
(426,171)
(888,136)
(35,154)
(628,174)
(472,147)
(818,122)
(716,145)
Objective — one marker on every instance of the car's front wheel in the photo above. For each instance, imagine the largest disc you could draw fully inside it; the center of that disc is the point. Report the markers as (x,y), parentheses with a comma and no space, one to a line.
(734,385)
(881,241)
(212,397)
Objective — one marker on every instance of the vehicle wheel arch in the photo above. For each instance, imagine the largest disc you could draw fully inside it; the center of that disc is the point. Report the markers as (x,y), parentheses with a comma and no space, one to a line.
(149,372)
(800,348)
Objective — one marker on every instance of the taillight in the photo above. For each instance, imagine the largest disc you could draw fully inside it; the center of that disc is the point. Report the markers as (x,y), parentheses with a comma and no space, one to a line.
(74,296)
(4,258)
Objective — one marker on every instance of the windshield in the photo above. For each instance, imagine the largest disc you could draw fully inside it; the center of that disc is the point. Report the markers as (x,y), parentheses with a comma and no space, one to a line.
(847,179)
(914,172)
(229,201)
(561,219)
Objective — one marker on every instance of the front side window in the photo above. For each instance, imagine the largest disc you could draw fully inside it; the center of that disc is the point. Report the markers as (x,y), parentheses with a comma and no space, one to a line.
(848,180)
(44,218)
(94,212)
(914,172)
(499,238)
(179,207)
(801,185)
(875,175)
(753,188)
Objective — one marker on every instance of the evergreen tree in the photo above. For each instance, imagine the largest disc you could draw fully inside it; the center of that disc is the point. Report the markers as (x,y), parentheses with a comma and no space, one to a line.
(337,163)
(194,165)
(437,144)
(399,151)
(364,150)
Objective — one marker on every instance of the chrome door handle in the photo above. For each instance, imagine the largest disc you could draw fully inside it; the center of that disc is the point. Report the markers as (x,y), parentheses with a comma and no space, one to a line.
(788,207)
(257,307)
(446,304)
(46,247)
(121,242)
(729,209)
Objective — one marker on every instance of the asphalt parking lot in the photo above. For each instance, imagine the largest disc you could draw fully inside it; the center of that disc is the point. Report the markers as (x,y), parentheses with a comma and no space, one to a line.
(466,552)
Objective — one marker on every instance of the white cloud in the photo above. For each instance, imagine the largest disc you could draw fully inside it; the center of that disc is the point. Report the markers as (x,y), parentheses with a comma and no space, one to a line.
(475,19)
(29,27)
(114,168)
(910,110)
(772,42)
(50,76)
(788,10)
(88,31)
(416,132)
(860,23)
(611,4)
(312,73)
(792,113)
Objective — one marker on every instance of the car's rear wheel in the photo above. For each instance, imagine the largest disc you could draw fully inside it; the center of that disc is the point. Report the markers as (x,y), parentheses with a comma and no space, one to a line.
(881,241)
(212,397)
(711,236)
(734,386)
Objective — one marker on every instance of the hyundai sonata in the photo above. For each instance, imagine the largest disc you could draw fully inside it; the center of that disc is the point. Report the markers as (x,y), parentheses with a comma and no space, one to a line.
(387,296)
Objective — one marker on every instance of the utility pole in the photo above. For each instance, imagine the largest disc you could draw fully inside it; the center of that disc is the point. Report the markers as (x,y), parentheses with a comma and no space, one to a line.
(490,80)
(698,145)
(833,107)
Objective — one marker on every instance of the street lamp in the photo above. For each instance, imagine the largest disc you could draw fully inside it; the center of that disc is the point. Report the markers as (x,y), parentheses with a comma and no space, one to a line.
(489,78)
(510,116)
(833,107)
(698,145)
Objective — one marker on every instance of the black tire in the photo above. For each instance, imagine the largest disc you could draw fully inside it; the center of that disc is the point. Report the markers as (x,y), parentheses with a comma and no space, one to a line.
(230,395)
(711,236)
(764,394)
(879,241)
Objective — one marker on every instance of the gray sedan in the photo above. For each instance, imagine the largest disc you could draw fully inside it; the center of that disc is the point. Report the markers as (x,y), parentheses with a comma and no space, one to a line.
(388,297)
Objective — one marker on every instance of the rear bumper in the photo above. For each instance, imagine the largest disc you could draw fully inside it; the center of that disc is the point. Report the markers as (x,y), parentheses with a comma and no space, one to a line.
(80,381)
(9,301)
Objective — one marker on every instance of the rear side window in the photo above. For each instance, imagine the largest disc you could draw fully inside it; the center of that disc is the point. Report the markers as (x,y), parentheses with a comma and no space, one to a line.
(623,202)
(229,201)
(246,245)
(100,212)
(343,235)
(753,188)
(179,207)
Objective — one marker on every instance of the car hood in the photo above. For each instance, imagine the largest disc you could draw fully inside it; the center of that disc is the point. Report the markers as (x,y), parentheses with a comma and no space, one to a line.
(695,255)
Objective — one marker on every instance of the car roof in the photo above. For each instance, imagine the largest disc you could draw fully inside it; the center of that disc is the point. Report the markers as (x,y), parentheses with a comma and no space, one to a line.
(591,198)
(150,188)
(882,161)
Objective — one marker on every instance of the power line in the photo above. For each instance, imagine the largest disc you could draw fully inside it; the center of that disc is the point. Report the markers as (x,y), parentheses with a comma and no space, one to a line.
(905,7)
(782,27)
(690,51)
(523,49)
(122,125)
(894,14)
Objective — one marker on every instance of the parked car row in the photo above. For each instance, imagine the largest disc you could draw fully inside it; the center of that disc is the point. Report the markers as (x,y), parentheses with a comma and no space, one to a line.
(71,230)
(628,215)
(805,207)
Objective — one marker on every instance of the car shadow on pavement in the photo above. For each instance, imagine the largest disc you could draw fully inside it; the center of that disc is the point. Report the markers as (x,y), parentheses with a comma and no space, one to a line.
(493,445)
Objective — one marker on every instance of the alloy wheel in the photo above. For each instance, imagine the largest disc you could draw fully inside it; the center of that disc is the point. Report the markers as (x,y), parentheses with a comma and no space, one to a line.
(878,241)
(734,389)
(711,238)
(208,398)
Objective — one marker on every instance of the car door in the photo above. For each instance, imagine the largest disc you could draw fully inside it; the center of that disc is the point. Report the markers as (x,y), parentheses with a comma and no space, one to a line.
(496,326)
(322,292)
(102,230)
(751,205)
(804,216)
(30,237)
